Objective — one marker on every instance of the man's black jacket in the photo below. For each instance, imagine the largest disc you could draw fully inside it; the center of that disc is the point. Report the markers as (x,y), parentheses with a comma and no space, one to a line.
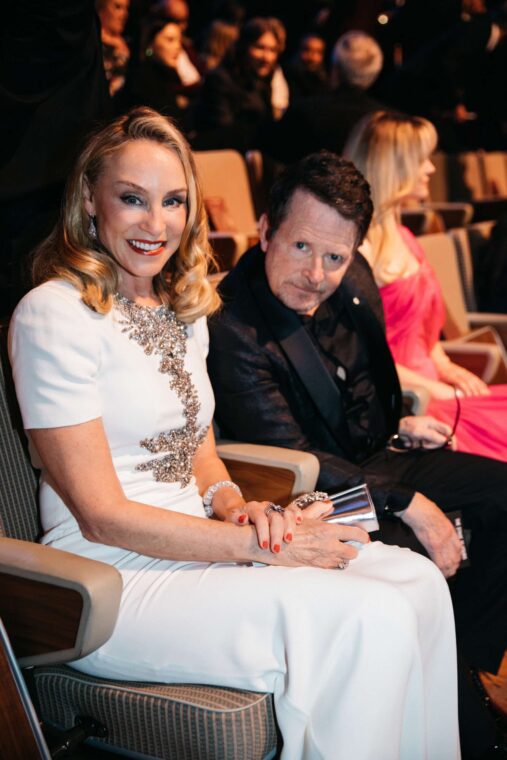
(260,398)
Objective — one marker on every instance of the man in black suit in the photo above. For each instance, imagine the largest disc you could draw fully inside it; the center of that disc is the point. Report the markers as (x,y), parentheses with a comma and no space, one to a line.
(298,358)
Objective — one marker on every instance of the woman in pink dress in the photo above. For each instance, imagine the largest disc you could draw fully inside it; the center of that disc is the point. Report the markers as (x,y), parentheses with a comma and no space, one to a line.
(392,151)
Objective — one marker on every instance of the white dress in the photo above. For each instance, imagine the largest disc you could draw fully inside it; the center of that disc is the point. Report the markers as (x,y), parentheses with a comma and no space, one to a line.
(361,662)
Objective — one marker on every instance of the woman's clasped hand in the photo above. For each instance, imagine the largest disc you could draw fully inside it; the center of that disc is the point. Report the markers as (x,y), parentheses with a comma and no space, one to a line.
(300,535)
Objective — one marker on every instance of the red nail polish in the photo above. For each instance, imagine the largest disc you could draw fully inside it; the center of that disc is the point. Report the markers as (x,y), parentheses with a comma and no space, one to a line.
(288,537)
(265,544)
(242,518)
(276,548)
(299,519)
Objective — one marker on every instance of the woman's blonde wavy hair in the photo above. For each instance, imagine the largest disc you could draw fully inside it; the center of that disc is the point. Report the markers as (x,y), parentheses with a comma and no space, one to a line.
(388,149)
(72,254)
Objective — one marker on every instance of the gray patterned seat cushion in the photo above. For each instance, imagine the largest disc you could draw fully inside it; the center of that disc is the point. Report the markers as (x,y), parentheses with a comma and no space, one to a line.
(176,722)
(18,501)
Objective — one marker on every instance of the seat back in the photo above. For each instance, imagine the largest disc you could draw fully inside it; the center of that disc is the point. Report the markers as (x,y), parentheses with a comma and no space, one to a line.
(226,190)
(466,177)
(439,184)
(465,264)
(495,173)
(478,234)
(441,253)
(18,491)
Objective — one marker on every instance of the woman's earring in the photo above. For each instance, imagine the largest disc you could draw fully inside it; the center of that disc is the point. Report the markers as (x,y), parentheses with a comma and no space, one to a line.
(92,229)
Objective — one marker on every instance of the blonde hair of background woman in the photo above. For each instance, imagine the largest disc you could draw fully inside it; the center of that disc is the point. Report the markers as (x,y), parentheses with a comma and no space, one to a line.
(388,149)
(71,253)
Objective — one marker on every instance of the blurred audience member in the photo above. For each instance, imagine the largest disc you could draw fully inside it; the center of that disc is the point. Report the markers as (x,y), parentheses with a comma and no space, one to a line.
(279,85)
(357,61)
(113,16)
(157,82)
(306,73)
(177,10)
(218,41)
(325,121)
(236,99)
(188,65)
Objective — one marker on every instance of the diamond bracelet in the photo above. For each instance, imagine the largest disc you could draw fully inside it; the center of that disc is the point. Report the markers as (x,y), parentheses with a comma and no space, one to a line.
(211,491)
(309,498)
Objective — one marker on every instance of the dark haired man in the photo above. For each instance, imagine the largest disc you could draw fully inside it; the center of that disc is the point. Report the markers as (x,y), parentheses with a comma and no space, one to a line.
(299,359)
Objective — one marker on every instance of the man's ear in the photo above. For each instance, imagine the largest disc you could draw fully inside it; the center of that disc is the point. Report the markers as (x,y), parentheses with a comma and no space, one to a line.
(89,203)
(264,232)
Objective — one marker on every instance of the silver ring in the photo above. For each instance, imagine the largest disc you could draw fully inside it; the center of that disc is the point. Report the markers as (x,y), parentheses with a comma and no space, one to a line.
(273,508)
(343,564)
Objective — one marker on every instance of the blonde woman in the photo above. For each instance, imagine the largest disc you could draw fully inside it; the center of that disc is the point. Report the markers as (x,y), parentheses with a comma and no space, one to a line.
(393,152)
(109,360)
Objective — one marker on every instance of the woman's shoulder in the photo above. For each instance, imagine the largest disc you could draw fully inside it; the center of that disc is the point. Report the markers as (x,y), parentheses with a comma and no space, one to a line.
(49,293)
(55,305)
(53,297)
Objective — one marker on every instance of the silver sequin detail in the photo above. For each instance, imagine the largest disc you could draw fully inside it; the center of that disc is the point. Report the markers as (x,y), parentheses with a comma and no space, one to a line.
(159,331)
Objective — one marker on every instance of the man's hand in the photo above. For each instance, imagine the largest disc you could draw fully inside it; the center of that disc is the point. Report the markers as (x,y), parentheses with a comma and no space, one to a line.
(426,431)
(435,532)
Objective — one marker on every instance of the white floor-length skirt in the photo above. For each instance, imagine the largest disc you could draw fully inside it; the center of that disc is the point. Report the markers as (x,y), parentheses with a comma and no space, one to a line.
(361,662)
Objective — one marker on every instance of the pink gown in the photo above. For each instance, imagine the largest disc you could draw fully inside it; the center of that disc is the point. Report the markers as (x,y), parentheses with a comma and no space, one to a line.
(414,312)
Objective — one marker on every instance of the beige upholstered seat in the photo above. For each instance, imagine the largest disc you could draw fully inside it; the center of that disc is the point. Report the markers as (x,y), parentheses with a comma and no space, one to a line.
(477,178)
(228,199)
(471,337)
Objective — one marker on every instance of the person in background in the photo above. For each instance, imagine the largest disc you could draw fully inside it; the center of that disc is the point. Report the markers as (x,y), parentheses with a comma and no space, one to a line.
(325,121)
(157,82)
(235,104)
(279,86)
(393,151)
(189,67)
(113,15)
(220,37)
(306,73)
(109,362)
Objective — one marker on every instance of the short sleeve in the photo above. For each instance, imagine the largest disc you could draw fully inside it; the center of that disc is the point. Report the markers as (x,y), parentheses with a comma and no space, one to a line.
(202,335)
(55,357)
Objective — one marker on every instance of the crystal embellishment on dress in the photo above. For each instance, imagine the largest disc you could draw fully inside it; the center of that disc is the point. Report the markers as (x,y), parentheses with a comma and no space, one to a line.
(159,331)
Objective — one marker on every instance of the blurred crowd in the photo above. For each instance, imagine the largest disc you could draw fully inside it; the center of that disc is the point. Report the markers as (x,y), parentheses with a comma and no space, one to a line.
(228,73)
(272,76)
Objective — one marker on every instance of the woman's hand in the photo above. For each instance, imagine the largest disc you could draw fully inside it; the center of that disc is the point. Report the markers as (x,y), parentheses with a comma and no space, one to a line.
(464,380)
(273,528)
(320,544)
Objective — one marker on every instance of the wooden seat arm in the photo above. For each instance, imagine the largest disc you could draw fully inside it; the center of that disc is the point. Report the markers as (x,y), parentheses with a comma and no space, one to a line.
(482,359)
(498,323)
(56,606)
(269,472)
